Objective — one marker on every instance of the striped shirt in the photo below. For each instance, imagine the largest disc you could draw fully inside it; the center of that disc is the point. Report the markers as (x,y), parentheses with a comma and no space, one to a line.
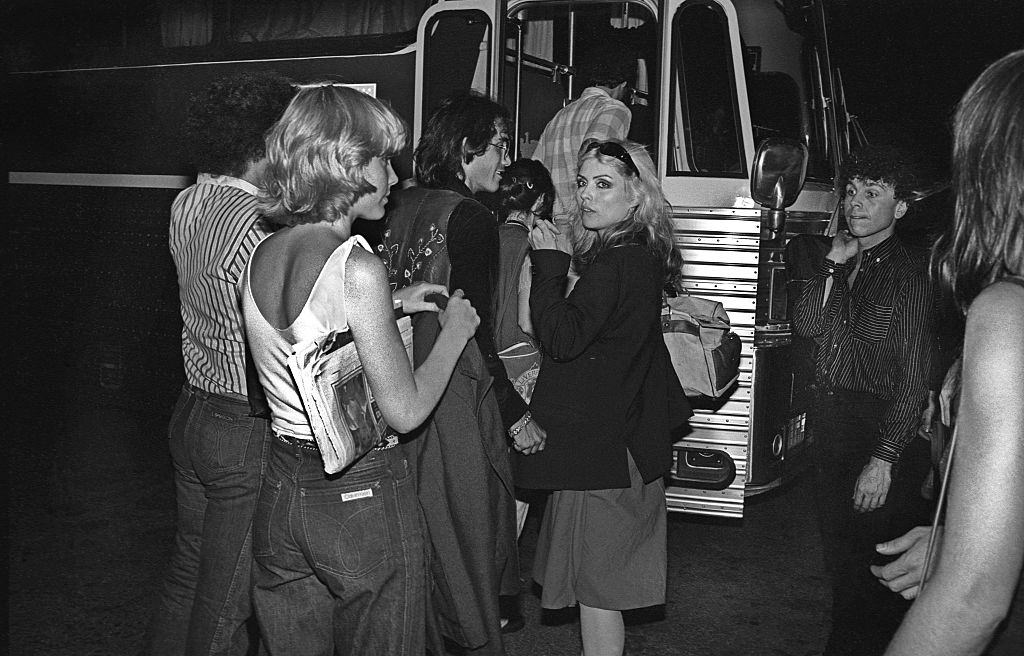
(875,337)
(214,229)
(594,115)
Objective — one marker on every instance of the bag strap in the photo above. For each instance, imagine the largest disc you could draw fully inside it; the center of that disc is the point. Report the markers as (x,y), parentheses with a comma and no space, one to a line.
(930,552)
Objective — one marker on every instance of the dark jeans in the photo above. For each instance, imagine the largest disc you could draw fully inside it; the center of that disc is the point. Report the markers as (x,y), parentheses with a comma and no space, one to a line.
(865,614)
(339,559)
(218,453)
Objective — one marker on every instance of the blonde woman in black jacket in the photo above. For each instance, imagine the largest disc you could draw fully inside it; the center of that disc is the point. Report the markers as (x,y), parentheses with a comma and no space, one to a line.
(607,396)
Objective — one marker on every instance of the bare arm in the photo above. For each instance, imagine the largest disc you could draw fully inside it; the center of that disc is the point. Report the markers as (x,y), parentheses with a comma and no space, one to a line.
(983,547)
(405,397)
(523,300)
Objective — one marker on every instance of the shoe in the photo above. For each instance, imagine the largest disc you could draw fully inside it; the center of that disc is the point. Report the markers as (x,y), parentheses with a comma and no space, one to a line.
(512,624)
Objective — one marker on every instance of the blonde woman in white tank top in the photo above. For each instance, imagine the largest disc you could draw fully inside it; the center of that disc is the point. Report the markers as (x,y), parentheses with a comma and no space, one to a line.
(339,559)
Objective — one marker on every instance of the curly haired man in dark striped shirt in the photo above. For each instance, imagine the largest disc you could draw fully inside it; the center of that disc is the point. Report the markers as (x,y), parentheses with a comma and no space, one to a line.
(868,309)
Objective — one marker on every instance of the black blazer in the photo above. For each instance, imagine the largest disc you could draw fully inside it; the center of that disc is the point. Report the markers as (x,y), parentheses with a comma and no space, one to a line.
(606,383)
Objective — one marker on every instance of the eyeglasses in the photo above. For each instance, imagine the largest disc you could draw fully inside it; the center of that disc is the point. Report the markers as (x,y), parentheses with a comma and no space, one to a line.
(612,149)
(503,147)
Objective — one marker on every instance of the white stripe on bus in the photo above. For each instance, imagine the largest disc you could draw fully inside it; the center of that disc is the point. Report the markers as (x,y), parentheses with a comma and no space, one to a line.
(101,180)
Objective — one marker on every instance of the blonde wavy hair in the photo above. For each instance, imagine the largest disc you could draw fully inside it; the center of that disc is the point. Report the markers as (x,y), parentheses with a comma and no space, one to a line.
(648,225)
(318,150)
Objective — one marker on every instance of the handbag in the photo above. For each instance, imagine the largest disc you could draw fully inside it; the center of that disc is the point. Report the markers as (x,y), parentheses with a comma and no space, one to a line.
(705,353)
(343,414)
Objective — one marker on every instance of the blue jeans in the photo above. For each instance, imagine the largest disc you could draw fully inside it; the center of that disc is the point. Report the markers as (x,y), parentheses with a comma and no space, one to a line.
(340,558)
(218,453)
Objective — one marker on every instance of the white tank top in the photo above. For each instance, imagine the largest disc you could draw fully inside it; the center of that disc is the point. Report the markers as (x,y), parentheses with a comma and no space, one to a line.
(271,346)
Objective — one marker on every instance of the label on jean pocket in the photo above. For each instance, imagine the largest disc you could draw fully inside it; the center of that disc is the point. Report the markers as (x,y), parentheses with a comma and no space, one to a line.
(361,494)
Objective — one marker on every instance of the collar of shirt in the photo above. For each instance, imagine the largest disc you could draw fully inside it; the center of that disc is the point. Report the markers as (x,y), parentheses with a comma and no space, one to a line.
(879,252)
(595,91)
(227,181)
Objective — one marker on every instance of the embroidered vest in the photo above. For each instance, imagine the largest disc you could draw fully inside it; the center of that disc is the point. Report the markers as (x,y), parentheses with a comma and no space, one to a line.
(414,246)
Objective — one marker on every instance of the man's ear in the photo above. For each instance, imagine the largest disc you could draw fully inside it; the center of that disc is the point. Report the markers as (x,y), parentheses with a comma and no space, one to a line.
(901,208)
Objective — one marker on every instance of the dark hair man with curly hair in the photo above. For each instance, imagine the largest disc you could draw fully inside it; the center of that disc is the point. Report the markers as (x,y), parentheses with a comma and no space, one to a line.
(216,446)
(598,114)
(898,168)
(868,308)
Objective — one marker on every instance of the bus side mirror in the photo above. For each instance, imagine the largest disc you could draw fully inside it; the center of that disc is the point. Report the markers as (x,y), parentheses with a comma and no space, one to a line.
(777,177)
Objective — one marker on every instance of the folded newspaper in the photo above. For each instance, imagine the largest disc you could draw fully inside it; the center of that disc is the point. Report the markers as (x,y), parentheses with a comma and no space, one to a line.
(522,364)
(342,412)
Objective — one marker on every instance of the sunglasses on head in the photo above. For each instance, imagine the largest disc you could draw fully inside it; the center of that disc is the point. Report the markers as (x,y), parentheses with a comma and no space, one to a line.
(612,149)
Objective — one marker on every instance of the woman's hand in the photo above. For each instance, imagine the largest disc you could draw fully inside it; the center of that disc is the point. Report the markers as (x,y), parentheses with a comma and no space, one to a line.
(411,297)
(459,317)
(530,439)
(904,574)
(546,236)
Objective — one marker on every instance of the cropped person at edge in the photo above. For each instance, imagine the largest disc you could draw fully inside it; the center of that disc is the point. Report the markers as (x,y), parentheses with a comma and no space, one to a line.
(339,558)
(974,600)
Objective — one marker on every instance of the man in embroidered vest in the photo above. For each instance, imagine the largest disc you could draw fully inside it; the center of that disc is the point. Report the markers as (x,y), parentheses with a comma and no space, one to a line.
(437,232)
(216,444)
(868,309)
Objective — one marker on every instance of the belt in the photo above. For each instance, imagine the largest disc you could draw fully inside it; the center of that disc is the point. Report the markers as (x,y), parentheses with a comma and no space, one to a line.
(206,394)
(390,440)
(297,441)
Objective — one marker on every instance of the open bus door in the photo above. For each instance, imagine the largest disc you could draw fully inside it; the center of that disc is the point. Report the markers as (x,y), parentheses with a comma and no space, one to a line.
(456,42)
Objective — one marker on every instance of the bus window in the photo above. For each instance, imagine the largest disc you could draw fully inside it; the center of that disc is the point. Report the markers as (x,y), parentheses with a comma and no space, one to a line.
(456,56)
(116,33)
(548,44)
(274,20)
(704,128)
(820,156)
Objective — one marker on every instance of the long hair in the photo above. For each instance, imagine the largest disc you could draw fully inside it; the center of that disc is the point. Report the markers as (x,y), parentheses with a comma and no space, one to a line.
(317,153)
(649,224)
(522,183)
(987,238)
(440,153)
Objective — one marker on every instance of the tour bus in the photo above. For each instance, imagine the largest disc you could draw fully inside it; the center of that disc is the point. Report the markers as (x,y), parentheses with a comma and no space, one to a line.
(725,91)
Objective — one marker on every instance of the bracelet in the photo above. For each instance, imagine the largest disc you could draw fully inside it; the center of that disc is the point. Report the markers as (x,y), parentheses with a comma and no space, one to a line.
(523,423)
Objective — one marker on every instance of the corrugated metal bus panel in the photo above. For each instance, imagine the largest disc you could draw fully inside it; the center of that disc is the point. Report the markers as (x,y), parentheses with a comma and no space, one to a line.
(741,320)
(716,226)
(742,391)
(731,302)
(726,503)
(728,414)
(718,256)
(715,240)
(702,286)
(703,437)
(746,333)
(727,272)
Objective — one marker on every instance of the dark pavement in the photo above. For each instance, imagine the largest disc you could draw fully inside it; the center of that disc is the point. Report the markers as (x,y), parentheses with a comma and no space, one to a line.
(91,520)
